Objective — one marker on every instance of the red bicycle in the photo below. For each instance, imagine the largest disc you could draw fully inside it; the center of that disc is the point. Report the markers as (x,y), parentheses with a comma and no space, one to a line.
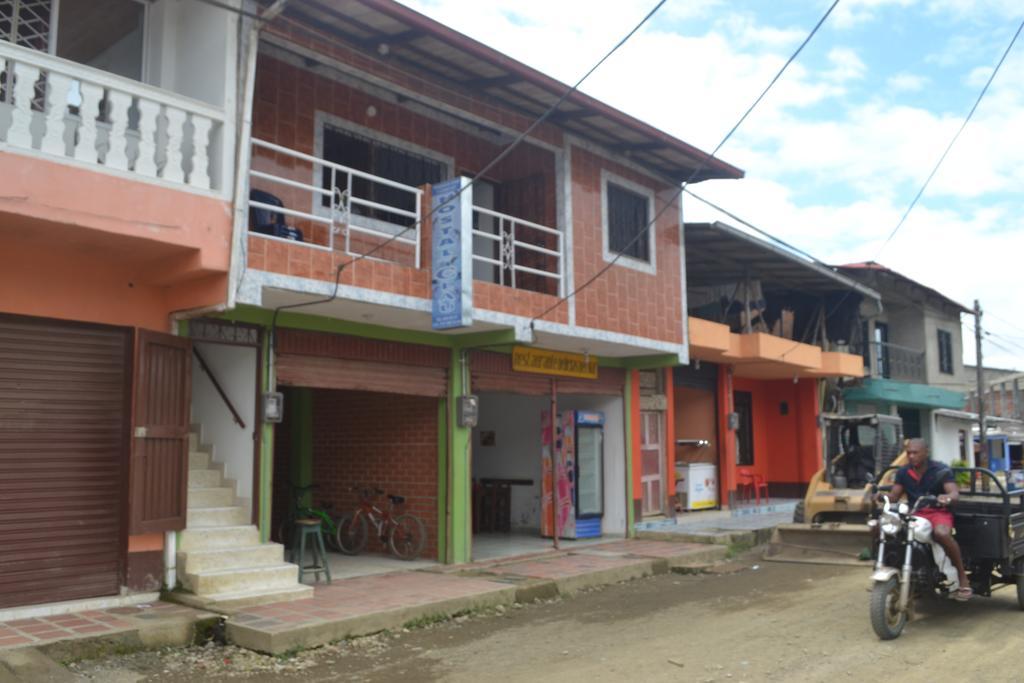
(405,534)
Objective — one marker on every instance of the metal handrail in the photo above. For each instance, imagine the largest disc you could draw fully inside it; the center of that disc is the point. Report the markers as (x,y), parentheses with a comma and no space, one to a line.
(341,218)
(220,390)
(509,243)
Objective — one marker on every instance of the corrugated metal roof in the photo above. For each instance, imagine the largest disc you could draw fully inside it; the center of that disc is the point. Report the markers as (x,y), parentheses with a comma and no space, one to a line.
(429,48)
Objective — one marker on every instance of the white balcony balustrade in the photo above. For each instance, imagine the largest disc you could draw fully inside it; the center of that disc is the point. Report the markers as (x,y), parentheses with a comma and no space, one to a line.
(515,253)
(324,205)
(65,110)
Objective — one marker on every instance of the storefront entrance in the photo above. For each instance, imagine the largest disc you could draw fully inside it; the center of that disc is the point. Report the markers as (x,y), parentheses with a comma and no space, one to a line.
(513,506)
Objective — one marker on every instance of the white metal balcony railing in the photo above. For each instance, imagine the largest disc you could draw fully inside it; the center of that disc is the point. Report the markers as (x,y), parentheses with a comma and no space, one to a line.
(516,253)
(328,189)
(65,109)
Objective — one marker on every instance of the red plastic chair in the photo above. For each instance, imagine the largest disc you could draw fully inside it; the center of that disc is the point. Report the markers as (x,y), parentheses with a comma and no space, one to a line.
(751,483)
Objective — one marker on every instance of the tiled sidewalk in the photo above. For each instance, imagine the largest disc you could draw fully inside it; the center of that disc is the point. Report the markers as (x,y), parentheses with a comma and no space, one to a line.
(45,630)
(360,606)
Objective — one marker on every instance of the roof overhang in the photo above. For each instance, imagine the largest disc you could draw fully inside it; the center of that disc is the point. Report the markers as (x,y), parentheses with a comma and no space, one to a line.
(719,254)
(398,36)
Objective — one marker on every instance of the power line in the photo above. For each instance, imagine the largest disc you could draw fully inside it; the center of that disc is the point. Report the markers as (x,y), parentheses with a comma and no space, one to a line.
(952,142)
(504,153)
(753,227)
(942,158)
(707,158)
(512,145)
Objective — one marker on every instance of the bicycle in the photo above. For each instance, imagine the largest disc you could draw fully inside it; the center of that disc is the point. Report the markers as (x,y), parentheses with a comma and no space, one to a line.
(297,511)
(405,534)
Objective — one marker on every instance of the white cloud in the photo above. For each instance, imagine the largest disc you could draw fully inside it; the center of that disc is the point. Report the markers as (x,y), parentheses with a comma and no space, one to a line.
(907,82)
(826,172)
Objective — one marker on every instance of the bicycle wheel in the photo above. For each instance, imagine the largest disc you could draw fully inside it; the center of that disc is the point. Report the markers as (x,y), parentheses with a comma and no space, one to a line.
(408,537)
(352,533)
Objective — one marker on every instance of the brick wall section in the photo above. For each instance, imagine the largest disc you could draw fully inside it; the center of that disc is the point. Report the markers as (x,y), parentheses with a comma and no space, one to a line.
(623,299)
(385,440)
(286,100)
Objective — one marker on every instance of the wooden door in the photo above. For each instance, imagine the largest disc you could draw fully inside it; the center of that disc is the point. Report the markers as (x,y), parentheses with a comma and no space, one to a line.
(652,455)
(159,463)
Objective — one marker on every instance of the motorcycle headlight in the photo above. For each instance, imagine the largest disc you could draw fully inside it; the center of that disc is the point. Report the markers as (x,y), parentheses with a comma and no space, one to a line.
(890,524)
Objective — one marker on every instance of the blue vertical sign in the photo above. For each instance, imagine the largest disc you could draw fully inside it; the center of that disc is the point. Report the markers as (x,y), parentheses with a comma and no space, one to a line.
(451,256)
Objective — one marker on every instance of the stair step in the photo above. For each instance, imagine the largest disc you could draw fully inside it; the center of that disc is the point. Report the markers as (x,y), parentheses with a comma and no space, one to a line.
(218,538)
(201,517)
(198,460)
(213,496)
(236,600)
(193,440)
(205,478)
(281,575)
(262,555)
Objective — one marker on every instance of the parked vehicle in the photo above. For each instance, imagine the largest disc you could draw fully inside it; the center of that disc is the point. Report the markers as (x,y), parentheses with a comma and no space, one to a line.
(829,523)
(405,534)
(989,524)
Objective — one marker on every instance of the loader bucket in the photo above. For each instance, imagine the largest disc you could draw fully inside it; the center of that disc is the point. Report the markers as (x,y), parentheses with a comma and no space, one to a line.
(829,543)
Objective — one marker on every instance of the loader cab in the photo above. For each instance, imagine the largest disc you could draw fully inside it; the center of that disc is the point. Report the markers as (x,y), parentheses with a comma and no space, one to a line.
(858,448)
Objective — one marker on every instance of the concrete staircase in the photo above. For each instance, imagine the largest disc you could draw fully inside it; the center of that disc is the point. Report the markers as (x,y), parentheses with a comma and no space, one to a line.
(221,562)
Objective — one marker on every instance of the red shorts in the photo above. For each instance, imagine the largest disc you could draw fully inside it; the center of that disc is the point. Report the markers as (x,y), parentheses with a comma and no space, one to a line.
(937,516)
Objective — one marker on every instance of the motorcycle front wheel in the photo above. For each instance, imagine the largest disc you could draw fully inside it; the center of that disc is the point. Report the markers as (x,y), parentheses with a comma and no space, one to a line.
(886,617)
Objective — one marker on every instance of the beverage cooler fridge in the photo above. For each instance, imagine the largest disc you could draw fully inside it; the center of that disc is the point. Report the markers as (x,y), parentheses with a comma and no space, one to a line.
(575,472)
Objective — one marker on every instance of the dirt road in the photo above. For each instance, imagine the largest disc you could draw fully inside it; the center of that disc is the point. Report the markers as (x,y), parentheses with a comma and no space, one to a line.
(777,623)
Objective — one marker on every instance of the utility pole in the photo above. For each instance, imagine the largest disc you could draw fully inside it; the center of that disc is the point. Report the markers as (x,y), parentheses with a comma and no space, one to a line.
(983,445)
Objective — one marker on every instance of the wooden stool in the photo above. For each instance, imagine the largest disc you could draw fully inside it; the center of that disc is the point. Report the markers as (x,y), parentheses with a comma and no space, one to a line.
(310,528)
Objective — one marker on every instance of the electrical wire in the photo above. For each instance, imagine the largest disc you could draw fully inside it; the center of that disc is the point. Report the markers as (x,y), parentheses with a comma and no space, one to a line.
(952,141)
(512,145)
(504,153)
(935,169)
(701,166)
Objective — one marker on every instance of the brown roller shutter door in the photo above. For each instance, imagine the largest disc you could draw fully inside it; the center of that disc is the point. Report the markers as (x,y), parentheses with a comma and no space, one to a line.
(63,439)
(360,375)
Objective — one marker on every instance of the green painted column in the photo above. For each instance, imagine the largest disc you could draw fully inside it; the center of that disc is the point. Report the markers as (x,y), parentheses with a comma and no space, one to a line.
(458,494)
(267,381)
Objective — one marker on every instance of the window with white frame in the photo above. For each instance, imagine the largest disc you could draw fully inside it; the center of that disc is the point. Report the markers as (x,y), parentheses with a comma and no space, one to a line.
(627,209)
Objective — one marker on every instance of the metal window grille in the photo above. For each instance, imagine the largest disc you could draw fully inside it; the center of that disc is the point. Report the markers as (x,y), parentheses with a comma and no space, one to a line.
(627,217)
(27,23)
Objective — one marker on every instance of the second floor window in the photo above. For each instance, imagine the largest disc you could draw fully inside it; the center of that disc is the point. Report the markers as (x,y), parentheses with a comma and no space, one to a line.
(628,215)
(382,160)
(945,352)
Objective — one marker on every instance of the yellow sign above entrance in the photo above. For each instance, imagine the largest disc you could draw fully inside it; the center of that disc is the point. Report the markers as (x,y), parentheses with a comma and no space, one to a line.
(528,359)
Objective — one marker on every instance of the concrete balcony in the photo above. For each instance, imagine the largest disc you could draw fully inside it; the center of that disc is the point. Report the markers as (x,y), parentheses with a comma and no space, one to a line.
(758,355)
(58,109)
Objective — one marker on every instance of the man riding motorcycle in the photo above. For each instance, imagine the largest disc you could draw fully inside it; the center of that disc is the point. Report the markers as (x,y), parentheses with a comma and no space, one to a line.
(924,477)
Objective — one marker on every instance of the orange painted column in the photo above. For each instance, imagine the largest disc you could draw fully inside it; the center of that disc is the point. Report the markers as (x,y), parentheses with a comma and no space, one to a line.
(726,436)
(670,438)
(808,431)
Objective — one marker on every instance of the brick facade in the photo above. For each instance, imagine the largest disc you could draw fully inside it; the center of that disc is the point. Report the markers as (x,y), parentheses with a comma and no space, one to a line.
(623,299)
(386,440)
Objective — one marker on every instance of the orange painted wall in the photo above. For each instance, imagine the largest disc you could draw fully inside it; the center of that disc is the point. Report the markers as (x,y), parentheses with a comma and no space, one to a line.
(60,284)
(634,418)
(785,449)
(726,436)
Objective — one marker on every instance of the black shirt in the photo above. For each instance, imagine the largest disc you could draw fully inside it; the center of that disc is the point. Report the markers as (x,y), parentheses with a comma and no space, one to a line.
(931,483)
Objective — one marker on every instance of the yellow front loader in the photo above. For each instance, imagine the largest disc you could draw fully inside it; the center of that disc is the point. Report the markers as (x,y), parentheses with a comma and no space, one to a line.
(830,523)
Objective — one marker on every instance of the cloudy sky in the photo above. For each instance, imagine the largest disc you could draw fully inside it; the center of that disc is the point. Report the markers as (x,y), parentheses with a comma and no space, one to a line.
(840,146)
